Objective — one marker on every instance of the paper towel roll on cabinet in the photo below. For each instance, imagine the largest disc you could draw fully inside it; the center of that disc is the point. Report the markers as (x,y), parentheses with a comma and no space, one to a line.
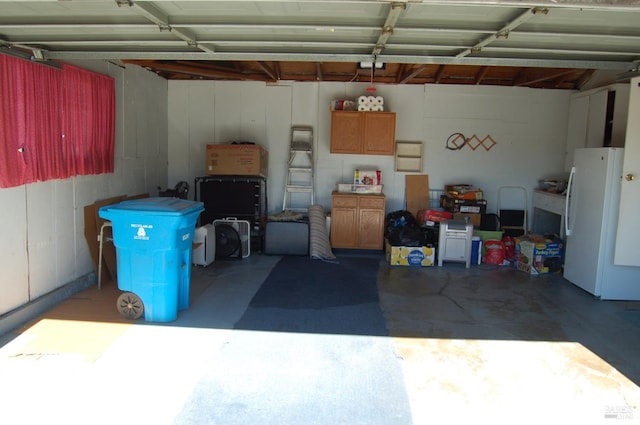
(370,103)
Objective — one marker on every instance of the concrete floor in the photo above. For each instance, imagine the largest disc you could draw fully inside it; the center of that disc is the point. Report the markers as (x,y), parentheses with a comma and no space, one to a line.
(480,344)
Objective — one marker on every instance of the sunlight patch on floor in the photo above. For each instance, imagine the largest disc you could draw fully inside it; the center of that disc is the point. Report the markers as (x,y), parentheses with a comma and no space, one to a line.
(457,380)
(86,340)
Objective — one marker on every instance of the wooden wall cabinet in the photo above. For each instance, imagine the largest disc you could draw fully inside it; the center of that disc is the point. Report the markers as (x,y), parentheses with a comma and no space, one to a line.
(357,220)
(597,118)
(356,132)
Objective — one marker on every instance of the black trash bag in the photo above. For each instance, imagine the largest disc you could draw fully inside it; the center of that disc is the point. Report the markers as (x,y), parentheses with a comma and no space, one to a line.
(406,236)
(402,229)
(430,235)
(399,220)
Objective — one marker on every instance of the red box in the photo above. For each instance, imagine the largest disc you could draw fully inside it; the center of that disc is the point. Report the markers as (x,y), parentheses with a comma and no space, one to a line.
(433,215)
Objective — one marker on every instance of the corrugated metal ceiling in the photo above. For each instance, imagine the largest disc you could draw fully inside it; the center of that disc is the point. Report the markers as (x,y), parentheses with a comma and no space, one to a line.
(550,44)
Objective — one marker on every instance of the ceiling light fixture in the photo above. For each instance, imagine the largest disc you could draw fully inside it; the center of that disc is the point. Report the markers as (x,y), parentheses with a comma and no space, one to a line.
(368,65)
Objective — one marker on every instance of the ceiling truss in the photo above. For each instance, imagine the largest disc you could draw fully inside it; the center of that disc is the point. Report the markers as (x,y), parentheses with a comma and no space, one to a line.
(547,43)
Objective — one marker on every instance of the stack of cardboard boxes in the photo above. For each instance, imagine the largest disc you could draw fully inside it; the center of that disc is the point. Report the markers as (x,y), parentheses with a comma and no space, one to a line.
(464,202)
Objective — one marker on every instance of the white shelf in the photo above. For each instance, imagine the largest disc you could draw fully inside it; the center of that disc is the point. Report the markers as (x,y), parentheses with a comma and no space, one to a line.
(409,157)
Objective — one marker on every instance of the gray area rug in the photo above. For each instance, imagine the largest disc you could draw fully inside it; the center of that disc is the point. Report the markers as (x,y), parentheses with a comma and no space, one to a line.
(312,348)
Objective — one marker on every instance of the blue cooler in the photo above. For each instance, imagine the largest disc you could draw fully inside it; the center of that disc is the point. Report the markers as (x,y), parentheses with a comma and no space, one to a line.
(153,238)
(476,250)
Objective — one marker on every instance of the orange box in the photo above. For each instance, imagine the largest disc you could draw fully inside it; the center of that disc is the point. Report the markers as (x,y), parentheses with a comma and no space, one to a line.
(237,160)
(471,196)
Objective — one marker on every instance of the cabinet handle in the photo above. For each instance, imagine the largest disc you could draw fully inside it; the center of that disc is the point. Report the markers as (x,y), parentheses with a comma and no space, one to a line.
(630,177)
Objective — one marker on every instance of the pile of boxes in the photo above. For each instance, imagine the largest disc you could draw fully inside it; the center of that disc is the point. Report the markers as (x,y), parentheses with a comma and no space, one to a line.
(534,254)
(460,203)
(464,202)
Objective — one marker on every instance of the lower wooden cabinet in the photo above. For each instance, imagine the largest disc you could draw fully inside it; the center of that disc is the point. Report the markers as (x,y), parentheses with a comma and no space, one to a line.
(357,220)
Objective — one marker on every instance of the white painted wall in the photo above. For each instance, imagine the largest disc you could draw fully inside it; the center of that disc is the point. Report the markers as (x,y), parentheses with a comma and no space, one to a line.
(528,125)
(43,245)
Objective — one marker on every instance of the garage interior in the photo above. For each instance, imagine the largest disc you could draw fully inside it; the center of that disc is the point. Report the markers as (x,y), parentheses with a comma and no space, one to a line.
(386,344)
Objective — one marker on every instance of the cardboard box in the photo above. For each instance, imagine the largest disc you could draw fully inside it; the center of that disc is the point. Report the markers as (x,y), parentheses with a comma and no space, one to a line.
(458,188)
(463,191)
(536,254)
(476,206)
(473,218)
(237,160)
(416,256)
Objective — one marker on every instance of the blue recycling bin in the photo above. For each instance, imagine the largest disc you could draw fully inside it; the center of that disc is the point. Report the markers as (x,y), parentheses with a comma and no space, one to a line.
(153,238)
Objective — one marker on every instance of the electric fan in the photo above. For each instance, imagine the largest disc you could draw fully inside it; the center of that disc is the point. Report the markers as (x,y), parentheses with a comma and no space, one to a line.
(227,241)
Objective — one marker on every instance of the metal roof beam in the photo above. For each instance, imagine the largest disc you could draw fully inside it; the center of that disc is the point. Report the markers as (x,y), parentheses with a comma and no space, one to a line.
(392,18)
(504,31)
(162,21)
(36,44)
(306,57)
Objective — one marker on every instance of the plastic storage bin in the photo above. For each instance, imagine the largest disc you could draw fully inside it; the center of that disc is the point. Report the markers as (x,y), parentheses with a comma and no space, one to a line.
(153,238)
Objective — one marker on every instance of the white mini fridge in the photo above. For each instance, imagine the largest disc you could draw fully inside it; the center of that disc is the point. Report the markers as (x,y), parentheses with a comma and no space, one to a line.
(204,243)
(454,243)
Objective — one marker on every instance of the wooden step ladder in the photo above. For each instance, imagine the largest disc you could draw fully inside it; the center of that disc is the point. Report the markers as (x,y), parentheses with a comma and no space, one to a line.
(298,191)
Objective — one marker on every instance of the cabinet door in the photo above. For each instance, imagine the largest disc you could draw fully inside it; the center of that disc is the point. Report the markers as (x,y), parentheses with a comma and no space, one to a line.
(346,129)
(343,221)
(626,251)
(620,115)
(577,129)
(597,119)
(370,222)
(343,228)
(370,228)
(379,133)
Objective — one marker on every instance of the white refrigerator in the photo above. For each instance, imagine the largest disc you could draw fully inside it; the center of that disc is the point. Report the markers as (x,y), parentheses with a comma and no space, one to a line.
(593,199)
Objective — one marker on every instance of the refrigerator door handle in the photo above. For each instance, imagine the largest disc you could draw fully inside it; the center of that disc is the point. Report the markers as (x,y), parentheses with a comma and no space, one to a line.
(567,218)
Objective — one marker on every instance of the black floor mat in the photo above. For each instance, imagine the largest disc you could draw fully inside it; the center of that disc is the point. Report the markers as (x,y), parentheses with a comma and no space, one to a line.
(306,295)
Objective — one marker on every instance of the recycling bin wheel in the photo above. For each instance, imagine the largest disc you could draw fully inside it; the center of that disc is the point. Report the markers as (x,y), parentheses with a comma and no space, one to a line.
(130,305)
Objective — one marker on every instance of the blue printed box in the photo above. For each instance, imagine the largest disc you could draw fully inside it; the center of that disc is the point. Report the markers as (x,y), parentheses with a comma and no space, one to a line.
(537,254)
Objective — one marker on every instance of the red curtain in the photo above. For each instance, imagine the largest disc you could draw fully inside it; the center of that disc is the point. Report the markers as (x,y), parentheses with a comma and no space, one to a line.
(88,116)
(54,124)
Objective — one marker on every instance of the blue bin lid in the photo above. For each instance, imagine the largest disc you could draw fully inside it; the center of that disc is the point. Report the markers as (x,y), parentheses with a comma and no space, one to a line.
(156,206)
